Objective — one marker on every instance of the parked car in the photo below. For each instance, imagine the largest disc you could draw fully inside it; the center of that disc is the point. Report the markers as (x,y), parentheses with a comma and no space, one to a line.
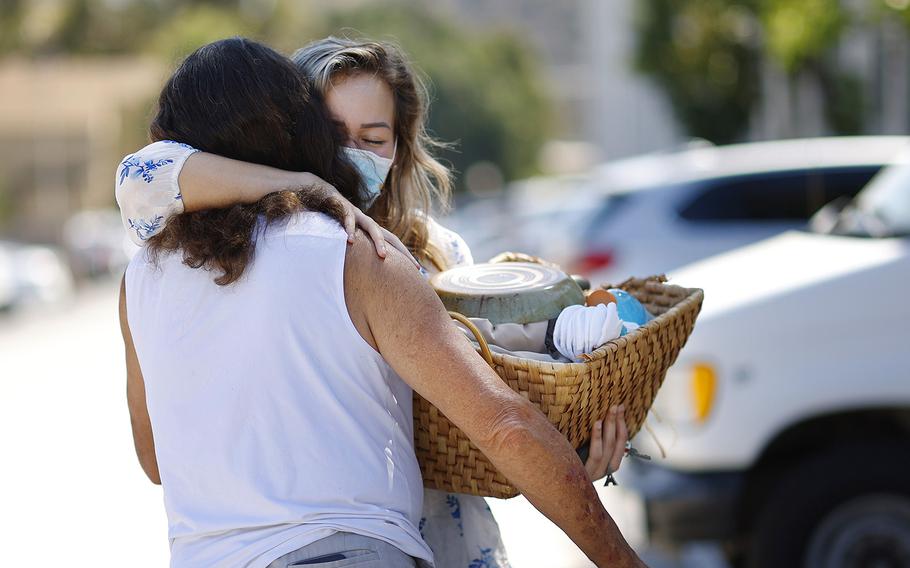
(787,415)
(96,243)
(651,214)
(542,216)
(42,275)
(32,274)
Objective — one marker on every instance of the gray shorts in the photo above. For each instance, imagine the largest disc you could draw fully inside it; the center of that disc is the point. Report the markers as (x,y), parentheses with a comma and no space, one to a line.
(342,550)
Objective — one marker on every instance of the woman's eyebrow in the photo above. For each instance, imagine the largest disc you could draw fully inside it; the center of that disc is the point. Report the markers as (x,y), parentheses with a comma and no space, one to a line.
(376,125)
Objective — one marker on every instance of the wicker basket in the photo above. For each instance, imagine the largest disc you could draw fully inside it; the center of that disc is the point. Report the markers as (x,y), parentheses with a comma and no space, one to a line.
(627,370)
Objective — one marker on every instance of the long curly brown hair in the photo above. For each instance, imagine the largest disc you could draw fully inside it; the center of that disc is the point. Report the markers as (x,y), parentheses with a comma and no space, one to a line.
(241,99)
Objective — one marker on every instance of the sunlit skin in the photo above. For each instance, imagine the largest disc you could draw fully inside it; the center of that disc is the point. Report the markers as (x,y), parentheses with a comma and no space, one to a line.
(364,106)
(519,440)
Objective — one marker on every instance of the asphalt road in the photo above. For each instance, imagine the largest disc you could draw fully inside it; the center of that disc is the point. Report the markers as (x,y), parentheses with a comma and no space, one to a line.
(71,488)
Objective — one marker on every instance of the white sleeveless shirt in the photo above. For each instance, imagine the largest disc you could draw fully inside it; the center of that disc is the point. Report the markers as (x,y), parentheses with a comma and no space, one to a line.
(275,423)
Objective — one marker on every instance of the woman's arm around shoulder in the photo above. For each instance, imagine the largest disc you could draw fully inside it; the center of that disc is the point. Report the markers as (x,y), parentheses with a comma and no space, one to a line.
(147,189)
(167,178)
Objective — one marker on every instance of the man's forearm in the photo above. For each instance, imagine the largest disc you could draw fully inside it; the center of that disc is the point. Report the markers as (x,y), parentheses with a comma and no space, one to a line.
(405,317)
(541,463)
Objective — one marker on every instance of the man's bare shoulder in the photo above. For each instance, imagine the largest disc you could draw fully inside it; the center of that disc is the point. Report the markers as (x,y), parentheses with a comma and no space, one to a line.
(377,289)
(364,267)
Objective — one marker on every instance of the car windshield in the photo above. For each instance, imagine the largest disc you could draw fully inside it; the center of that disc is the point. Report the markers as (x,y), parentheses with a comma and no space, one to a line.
(887,197)
(881,209)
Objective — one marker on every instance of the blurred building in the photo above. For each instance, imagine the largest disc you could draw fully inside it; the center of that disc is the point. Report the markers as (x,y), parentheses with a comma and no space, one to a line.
(60,133)
(876,53)
(586,51)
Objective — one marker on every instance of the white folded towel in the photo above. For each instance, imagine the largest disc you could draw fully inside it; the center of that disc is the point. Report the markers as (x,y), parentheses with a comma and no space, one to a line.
(580,330)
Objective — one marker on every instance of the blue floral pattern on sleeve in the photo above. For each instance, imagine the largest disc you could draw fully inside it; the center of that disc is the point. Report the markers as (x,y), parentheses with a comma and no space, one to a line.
(146,184)
(144,228)
(181,144)
(134,166)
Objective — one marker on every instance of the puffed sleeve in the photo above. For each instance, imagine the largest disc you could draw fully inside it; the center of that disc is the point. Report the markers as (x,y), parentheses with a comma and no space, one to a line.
(450,243)
(147,190)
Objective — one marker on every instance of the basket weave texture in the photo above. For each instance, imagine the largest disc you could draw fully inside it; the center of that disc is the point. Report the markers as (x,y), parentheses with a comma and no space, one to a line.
(628,370)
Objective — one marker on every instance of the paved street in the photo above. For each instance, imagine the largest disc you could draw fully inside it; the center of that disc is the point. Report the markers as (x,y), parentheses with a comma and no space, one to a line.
(71,487)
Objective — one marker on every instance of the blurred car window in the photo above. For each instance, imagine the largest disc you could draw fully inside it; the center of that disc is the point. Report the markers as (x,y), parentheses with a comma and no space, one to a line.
(793,195)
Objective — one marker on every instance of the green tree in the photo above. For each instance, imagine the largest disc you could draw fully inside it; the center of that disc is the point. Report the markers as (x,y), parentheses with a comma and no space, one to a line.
(798,33)
(95,27)
(899,9)
(702,53)
(193,25)
(705,54)
(800,37)
(11,12)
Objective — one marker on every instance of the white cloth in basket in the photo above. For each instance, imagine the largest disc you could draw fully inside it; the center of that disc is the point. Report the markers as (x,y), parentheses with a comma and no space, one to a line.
(582,329)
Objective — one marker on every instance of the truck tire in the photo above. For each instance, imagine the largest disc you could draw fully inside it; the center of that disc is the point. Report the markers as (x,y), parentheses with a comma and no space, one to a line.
(845,508)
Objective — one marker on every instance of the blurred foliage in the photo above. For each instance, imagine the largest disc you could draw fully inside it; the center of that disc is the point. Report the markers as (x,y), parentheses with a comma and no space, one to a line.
(708,55)
(890,8)
(845,108)
(702,55)
(487,97)
(193,25)
(99,27)
(798,32)
(11,12)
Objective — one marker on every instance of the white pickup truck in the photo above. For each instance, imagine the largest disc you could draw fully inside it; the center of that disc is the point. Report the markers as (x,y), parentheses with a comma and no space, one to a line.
(787,416)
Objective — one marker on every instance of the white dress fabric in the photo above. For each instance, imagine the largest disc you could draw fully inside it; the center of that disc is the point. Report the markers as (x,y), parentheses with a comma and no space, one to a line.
(459,529)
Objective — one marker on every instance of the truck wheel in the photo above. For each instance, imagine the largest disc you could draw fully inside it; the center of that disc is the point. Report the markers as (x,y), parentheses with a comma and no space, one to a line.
(846,508)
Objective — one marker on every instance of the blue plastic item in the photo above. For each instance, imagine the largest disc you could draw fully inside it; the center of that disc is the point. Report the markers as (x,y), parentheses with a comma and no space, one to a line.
(629,308)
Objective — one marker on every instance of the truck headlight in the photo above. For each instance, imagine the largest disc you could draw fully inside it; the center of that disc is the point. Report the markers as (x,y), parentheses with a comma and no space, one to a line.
(688,393)
(702,386)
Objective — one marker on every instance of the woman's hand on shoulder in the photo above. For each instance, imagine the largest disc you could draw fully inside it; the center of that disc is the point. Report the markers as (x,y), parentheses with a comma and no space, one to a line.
(354,218)
(608,444)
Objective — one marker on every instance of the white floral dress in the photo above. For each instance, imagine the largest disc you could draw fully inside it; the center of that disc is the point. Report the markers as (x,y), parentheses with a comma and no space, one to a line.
(460,529)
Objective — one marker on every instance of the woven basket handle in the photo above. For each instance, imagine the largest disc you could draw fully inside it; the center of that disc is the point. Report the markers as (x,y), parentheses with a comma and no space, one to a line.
(659,278)
(484,346)
(510,256)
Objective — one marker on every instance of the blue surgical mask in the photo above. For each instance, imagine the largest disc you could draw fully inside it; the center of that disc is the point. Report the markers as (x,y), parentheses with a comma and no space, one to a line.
(373,170)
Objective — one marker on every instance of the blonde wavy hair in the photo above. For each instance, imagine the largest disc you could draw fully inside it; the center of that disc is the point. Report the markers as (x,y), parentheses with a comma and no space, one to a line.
(417,181)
